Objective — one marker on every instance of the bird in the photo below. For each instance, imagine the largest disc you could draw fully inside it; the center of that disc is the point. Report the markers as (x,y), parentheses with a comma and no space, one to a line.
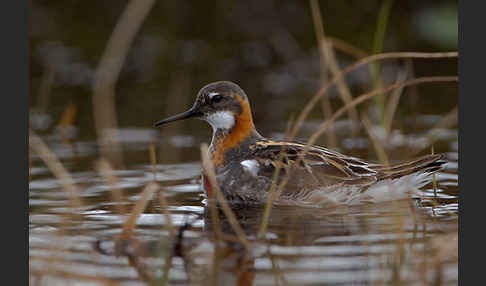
(246,164)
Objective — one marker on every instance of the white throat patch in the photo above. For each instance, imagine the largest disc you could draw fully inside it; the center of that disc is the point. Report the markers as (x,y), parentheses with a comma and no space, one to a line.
(221,120)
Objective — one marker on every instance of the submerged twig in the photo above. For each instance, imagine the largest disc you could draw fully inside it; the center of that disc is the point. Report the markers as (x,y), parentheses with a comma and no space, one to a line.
(50,159)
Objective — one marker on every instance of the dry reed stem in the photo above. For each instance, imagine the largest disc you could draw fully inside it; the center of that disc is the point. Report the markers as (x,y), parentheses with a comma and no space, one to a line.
(272,195)
(373,93)
(67,120)
(392,105)
(347,48)
(164,205)
(449,120)
(208,168)
(56,167)
(325,102)
(434,181)
(274,191)
(217,233)
(167,267)
(323,90)
(107,74)
(278,276)
(153,160)
(327,110)
(415,219)
(105,169)
(141,270)
(379,149)
(139,207)
(330,58)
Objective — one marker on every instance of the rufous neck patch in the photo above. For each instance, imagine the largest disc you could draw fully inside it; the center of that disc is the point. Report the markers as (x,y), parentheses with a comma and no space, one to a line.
(242,129)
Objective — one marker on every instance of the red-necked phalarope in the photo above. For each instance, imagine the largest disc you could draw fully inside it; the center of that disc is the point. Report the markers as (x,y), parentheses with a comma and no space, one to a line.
(245,161)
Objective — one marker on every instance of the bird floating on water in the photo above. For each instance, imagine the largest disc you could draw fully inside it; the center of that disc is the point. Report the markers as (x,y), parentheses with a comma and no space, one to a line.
(245,161)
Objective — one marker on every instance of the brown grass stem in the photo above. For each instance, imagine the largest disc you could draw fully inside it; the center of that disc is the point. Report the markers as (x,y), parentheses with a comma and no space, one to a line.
(323,90)
(208,168)
(274,191)
(141,269)
(327,53)
(347,48)
(105,169)
(164,205)
(167,267)
(106,76)
(446,122)
(379,149)
(434,180)
(392,103)
(139,207)
(153,160)
(270,199)
(56,167)
(362,98)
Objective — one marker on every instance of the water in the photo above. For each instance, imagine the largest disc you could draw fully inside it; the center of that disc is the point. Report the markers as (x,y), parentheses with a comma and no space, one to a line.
(412,241)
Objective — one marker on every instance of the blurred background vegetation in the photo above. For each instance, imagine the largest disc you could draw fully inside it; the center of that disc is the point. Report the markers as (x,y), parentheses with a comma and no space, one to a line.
(268,47)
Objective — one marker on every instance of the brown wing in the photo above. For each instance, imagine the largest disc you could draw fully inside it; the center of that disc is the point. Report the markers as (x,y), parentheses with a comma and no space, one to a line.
(325,167)
(318,165)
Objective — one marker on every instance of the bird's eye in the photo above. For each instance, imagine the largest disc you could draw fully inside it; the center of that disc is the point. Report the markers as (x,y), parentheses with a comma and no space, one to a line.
(216,98)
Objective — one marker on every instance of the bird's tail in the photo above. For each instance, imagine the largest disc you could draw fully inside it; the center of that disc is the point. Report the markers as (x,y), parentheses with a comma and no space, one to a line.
(427,164)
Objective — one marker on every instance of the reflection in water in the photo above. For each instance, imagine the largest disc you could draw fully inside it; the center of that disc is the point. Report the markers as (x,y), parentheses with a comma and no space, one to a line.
(359,245)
